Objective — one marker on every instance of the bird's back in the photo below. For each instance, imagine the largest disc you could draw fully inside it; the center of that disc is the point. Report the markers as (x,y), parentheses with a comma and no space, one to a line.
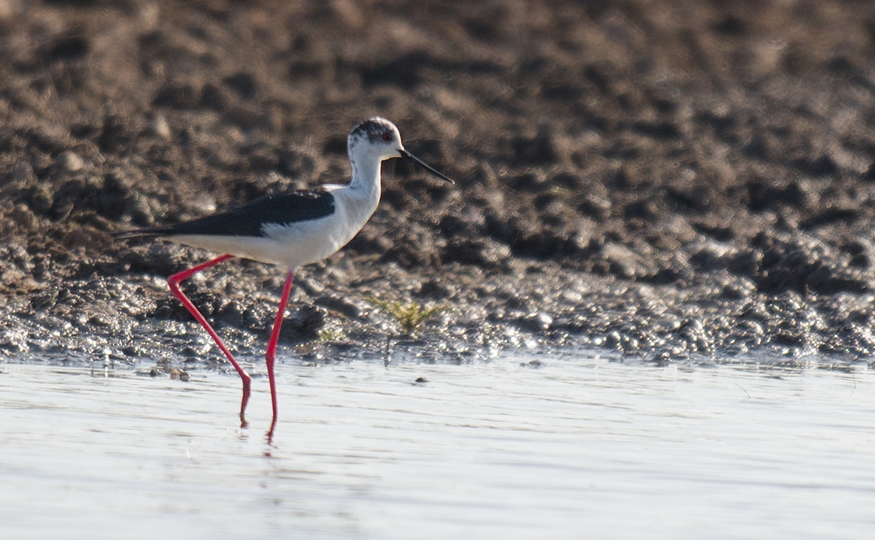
(250,219)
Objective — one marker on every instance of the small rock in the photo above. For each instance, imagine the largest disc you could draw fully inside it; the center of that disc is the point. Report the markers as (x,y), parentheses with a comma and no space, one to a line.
(570,296)
(179,374)
(625,263)
(536,322)
(307,321)
(70,162)
(158,127)
(598,208)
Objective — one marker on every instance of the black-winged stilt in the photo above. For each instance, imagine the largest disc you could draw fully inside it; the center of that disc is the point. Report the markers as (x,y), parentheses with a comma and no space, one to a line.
(290,229)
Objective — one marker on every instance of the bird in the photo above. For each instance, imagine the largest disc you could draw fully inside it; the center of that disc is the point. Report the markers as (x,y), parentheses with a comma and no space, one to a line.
(289,230)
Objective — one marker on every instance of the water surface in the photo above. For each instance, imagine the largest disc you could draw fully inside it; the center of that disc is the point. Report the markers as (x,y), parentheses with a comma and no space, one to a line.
(580,447)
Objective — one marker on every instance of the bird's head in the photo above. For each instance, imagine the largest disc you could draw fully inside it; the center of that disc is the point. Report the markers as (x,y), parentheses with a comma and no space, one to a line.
(378,138)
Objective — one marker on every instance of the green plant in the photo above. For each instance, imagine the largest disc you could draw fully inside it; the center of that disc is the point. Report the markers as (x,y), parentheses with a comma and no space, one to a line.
(330,335)
(408,315)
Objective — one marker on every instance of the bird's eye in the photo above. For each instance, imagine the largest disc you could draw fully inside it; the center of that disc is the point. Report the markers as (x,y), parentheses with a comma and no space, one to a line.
(387,137)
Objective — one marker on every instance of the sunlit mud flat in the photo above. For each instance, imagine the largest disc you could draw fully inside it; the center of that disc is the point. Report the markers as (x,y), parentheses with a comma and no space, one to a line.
(570,446)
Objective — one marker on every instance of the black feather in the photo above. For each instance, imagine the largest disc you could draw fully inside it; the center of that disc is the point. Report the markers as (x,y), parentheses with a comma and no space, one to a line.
(249,219)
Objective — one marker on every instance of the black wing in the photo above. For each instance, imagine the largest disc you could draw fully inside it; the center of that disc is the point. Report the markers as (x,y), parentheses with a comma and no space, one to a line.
(249,219)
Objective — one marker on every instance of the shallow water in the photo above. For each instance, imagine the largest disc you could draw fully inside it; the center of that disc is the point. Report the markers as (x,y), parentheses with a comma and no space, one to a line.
(581,447)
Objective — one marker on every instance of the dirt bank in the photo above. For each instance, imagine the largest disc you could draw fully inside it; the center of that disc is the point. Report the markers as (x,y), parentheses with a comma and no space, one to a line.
(664,178)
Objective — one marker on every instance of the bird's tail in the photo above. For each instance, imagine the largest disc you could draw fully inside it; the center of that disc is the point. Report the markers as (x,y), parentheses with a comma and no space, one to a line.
(137,233)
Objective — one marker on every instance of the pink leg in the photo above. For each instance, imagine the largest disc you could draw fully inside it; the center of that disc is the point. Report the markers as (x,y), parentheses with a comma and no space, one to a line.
(174,281)
(270,357)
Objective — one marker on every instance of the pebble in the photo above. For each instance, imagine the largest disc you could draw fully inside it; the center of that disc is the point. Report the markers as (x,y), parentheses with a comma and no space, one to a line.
(159,127)
(70,162)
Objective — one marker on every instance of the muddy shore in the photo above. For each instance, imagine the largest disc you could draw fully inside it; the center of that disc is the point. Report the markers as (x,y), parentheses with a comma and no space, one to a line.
(666,179)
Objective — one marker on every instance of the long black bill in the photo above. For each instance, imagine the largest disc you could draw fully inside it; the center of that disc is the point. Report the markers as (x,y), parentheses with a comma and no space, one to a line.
(407,155)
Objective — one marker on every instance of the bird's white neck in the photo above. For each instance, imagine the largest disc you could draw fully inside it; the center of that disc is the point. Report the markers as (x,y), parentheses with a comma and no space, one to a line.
(365,176)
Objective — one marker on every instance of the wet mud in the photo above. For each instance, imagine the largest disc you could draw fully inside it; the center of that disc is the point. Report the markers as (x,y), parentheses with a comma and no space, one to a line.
(666,179)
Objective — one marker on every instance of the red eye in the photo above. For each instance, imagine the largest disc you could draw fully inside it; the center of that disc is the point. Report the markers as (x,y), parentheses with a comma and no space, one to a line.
(387,137)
